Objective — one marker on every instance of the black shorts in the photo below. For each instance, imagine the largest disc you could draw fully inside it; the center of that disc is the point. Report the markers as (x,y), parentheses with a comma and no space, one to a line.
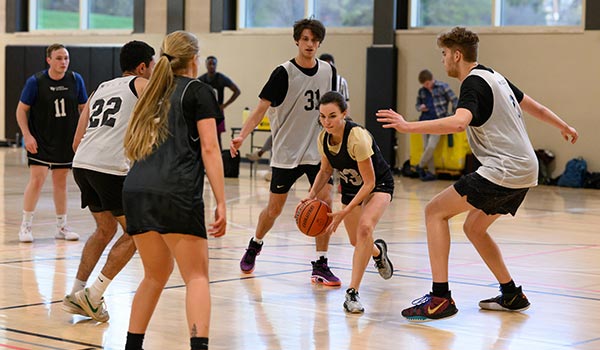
(100,191)
(50,165)
(164,213)
(283,179)
(385,185)
(488,197)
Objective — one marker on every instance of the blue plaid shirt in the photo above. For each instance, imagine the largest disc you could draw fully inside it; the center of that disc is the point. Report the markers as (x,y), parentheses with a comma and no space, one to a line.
(442,96)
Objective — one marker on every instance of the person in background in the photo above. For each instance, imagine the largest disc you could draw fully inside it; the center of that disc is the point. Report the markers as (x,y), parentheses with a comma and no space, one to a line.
(219,82)
(47,113)
(433,100)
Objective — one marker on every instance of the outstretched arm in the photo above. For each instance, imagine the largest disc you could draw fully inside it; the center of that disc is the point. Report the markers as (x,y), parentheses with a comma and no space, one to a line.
(257,114)
(453,124)
(544,114)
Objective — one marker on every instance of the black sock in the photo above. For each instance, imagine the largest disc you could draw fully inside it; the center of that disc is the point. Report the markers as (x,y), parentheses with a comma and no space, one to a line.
(508,288)
(440,289)
(134,341)
(197,343)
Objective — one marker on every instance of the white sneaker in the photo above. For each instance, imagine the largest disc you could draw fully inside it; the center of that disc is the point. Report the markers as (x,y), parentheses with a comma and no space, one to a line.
(66,234)
(253,157)
(25,234)
(352,304)
(71,306)
(98,313)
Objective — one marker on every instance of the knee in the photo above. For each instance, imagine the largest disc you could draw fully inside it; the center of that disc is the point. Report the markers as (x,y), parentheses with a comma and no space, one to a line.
(106,232)
(364,231)
(273,211)
(431,210)
(437,209)
(36,181)
(160,278)
(471,231)
(59,180)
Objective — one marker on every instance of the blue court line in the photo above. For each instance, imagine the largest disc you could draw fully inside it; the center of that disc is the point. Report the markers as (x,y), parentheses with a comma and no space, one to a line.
(584,342)
(93,346)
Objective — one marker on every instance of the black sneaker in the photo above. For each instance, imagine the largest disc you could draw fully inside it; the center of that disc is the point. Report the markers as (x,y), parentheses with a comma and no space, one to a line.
(249,258)
(430,308)
(382,262)
(516,301)
(322,274)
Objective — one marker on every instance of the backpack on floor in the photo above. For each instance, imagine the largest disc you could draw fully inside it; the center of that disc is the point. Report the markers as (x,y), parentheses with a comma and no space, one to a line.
(574,174)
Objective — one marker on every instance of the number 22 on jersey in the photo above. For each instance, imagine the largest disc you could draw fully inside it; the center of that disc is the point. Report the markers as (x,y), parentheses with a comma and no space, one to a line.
(107,109)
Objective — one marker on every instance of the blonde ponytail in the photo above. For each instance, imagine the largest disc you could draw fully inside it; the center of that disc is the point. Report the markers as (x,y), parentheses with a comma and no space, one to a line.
(148,126)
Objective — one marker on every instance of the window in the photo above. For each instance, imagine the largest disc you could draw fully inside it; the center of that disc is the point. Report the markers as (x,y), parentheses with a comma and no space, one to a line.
(425,13)
(278,14)
(80,14)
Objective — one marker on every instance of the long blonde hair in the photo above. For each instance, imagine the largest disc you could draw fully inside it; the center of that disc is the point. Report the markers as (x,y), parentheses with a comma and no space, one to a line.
(148,126)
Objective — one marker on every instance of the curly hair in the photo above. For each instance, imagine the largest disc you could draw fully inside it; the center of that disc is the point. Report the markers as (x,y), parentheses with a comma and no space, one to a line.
(315,26)
(461,39)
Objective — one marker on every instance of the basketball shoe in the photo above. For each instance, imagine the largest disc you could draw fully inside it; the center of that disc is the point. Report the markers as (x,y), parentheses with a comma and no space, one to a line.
(249,259)
(516,301)
(382,262)
(352,303)
(254,156)
(25,234)
(430,307)
(70,306)
(97,312)
(65,233)
(322,274)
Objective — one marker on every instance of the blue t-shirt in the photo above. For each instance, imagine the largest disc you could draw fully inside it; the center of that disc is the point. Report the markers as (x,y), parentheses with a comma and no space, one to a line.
(30,91)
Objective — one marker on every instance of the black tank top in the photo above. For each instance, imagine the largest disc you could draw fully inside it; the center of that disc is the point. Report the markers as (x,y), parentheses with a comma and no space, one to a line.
(53,118)
(175,167)
(350,178)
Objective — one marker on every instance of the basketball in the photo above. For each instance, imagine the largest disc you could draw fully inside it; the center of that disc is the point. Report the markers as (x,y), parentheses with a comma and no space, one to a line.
(311,217)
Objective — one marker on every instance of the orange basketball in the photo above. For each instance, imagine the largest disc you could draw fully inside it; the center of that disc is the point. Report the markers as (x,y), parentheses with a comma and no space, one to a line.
(311,217)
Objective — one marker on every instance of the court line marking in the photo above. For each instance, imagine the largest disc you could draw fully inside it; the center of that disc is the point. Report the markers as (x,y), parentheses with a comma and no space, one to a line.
(45,336)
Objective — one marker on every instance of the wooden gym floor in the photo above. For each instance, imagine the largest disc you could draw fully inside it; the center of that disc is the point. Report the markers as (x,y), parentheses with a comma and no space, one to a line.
(551,247)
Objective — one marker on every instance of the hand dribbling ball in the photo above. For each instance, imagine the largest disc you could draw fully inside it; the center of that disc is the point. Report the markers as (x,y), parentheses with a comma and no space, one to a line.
(311,217)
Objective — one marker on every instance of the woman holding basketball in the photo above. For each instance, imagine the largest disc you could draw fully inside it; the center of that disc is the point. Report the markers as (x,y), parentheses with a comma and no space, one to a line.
(367,189)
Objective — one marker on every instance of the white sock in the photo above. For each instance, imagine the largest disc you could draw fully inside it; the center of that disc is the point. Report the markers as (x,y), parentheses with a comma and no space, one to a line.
(98,287)
(27,218)
(61,220)
(77,286)
(321,254)
(259,241)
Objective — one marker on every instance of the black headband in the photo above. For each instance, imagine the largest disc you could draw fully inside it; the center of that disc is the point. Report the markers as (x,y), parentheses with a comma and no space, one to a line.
(169,57)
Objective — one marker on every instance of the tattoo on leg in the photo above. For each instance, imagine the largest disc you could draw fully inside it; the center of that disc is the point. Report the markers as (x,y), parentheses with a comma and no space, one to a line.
(194,331)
